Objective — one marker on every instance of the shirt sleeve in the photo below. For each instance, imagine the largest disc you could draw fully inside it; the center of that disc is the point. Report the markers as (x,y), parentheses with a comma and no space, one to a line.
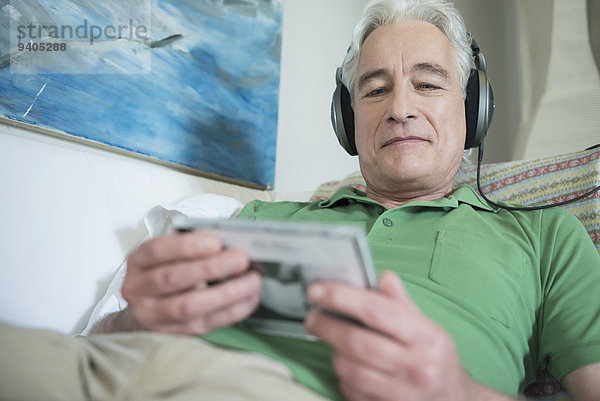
(569,316)
(248,212)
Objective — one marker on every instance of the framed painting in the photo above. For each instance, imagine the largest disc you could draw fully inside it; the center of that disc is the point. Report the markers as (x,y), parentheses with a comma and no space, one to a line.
(192,84)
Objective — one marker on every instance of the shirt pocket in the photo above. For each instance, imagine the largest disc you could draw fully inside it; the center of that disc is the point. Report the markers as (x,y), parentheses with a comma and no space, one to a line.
(484,277)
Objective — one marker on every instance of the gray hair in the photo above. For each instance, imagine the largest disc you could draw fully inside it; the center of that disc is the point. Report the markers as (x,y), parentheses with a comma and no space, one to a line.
(439,13)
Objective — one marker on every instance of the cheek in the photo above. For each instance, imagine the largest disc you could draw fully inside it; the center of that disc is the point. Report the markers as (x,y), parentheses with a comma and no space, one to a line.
(364,128)
(451,126)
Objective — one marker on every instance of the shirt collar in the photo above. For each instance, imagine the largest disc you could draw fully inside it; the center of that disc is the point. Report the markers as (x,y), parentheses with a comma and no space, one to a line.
(462,194)
(466,194)
(348,193)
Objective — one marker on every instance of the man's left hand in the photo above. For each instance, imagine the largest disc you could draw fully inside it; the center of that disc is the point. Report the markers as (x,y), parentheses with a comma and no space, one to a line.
(399,353)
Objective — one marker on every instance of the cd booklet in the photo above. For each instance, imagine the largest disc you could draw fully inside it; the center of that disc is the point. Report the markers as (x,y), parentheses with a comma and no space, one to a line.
(290,256)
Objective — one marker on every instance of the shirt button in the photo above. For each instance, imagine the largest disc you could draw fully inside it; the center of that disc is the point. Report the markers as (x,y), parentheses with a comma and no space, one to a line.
(380,211)
(387,222)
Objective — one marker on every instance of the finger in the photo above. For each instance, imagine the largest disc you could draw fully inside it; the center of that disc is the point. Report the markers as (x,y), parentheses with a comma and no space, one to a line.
(363,382)
(174,247)
(367,346)
(196,303)
(232,314)
(351,393)
(393,317)
(419,371)
(176,277)
(222,318)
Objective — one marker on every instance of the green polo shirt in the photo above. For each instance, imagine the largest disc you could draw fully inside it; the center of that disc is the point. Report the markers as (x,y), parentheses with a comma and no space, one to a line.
(515,290)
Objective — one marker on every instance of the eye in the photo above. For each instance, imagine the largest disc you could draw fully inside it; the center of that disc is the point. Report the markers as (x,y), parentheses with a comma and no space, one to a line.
(376,92)
(427,86)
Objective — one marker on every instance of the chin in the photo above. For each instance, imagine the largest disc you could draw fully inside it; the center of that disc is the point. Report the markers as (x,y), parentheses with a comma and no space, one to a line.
(407,166)
(403,175)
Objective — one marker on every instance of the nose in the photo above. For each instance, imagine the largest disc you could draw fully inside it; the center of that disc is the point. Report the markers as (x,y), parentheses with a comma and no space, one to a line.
(401,106)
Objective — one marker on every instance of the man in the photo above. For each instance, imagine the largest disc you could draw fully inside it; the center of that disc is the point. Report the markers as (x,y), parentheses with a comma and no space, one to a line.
(471,298)
(407,81)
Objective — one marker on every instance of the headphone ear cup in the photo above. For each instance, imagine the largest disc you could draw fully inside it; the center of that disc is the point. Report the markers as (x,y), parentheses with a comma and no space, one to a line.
(479,108)
(342,116)
(472,110)
(479,101)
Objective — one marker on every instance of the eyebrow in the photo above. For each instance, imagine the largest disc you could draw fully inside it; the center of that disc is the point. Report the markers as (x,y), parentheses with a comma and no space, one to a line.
(432,68)
(367,76)
(435,69)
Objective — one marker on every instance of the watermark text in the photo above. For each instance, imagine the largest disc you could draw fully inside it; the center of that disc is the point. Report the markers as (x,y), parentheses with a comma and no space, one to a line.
(32,32)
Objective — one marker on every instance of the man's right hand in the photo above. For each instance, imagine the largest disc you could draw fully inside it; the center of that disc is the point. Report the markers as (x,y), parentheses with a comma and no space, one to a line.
(167,284)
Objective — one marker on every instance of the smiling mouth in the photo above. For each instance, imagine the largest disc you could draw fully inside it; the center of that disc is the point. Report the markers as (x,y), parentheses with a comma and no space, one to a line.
(408,139)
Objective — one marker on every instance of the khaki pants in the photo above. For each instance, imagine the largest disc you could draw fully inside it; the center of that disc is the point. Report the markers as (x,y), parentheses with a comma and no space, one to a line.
(43,365)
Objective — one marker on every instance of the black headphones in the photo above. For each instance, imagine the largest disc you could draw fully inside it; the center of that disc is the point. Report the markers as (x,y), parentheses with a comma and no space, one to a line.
(479,107)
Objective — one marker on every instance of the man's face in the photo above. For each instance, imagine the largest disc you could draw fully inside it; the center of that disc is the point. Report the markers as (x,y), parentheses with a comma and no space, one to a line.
(409,111)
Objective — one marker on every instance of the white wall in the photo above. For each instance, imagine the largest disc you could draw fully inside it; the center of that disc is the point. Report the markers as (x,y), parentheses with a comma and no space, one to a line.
(316,34)
(69,210)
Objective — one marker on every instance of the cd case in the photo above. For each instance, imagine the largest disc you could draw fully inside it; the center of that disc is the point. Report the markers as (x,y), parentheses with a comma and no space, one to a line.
(290,256)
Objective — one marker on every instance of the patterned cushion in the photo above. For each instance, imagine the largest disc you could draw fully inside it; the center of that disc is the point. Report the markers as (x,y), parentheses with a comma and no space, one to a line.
(540,181)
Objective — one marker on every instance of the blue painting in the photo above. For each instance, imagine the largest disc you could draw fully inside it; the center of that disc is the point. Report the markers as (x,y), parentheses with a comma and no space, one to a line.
(190,83)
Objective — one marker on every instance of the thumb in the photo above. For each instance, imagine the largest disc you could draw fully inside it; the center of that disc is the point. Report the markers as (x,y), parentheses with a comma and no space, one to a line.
(391,286)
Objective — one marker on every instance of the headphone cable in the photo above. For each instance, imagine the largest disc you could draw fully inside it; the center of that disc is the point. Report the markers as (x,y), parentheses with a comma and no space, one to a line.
(539,207)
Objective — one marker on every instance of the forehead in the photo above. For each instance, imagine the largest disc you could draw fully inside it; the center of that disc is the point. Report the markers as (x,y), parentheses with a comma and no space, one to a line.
(406,43)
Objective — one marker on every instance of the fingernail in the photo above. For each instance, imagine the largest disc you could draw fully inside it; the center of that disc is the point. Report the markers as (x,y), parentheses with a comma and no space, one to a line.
(316,292)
